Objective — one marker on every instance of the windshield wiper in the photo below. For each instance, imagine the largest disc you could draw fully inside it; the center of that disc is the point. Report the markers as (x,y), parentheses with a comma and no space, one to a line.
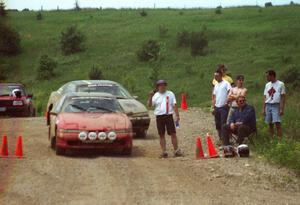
(78,107)
(103,108)
(121,97)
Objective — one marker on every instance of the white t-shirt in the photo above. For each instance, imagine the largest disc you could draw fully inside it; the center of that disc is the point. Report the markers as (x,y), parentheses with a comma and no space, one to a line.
(221,92)
(273,92)
(163,103)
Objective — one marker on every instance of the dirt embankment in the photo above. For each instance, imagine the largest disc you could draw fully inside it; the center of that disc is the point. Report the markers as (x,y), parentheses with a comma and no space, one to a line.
(44,178)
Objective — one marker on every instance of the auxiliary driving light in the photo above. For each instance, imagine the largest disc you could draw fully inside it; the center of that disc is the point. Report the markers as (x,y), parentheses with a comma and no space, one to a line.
(102,135)
(112,136)
(92,135)
(82,135)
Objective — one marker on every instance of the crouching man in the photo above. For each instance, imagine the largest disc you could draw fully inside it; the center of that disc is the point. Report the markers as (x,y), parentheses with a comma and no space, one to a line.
(165,105)
(242,122)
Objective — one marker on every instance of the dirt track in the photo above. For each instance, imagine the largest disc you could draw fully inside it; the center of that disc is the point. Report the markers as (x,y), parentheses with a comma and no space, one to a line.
(44,178)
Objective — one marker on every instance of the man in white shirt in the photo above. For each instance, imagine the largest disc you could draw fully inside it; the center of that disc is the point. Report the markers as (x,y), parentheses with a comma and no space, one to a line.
(220,102)
(165,105)
(274,102)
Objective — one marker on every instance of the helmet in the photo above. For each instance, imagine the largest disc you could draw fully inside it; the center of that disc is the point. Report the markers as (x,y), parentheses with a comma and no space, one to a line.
(228,151)
(243,150)
(16,93)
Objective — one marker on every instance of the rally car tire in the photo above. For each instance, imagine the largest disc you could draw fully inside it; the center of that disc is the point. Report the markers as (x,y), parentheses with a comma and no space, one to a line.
(60,151)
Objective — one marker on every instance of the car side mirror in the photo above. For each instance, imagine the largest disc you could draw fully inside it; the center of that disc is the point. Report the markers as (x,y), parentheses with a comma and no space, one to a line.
(135,97)
(30,95)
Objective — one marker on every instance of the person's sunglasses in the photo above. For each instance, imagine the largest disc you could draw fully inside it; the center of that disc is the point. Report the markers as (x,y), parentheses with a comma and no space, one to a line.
(241,101)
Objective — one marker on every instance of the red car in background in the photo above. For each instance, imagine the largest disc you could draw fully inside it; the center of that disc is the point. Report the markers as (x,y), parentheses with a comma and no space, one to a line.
(89,121)
(14,101)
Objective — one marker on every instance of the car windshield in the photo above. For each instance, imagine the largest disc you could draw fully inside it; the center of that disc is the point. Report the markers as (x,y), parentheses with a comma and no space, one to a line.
(115,90)
(6,90)
(91,104)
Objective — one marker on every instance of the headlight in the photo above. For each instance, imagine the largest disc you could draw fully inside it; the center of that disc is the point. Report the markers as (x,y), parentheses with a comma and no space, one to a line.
(102,135)
(17,103)
(82,136)
(92,135)
(112,136)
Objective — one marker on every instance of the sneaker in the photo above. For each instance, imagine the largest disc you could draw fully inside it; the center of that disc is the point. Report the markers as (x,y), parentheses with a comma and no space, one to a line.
(178,153)
(163,155)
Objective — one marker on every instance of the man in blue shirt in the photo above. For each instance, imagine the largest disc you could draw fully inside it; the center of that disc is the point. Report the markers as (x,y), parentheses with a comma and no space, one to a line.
(242,122)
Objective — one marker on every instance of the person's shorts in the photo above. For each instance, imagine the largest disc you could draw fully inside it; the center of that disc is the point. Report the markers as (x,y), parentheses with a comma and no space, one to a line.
(164,122)
(272,113)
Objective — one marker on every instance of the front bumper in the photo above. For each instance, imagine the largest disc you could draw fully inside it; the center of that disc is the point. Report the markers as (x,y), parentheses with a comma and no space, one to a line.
(140,123)
(16,111)
(71,141)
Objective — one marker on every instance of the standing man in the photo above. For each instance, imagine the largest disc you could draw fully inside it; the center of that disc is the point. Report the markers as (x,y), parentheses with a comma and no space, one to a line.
(220,102)
(165,105)
(234,93)
(274,103)
(225,77)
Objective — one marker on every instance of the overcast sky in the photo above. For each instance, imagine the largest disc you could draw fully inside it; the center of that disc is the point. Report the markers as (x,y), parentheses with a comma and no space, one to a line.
(67,4)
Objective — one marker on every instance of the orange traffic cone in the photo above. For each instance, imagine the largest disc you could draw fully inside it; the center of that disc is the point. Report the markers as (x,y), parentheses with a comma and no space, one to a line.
(211,148)
(19,148)
(199,150)
(4,149)
(184,105)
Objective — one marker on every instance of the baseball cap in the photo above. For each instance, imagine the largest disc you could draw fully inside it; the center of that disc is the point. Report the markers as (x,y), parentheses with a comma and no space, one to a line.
(161,82)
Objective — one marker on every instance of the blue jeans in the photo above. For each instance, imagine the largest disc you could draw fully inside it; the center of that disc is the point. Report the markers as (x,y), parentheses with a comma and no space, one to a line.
(221,114)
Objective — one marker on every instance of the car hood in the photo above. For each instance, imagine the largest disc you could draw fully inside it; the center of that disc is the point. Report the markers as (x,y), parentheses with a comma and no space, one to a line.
(93,121)
(132,106)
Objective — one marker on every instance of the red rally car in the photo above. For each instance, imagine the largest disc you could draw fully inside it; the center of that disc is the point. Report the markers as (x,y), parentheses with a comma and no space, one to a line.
(89,121)
(14,101)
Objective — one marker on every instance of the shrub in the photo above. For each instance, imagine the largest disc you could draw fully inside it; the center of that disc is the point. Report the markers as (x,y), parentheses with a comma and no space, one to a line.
(199,43)
(292,77)
(25,9)
(149,51)
(39,16)
(46,68)
(218,10)
(143,13)
(95,74)
(181,13)
(3,12)
(268,4)
(183,39)
(9,41)
(163,30)
(72,40)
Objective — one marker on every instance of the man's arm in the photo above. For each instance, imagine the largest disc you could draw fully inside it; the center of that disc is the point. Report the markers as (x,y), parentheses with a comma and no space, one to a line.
(282,104)
(149,101)
(264,106)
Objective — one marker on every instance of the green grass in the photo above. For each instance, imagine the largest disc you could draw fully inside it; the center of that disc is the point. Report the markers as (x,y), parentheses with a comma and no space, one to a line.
(246,40)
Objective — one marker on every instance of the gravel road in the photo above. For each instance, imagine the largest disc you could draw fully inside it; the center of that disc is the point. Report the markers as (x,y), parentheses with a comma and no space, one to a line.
(41,177)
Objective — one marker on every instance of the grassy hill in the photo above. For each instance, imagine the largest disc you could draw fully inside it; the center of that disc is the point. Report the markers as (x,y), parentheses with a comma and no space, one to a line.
(249,40)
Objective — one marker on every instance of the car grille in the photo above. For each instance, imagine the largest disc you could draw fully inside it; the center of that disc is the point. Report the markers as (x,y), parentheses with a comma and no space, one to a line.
(5,103)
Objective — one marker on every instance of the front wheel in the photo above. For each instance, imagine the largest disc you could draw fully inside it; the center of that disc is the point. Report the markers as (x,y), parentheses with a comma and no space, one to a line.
(60,151)
(127,151)
(141,134)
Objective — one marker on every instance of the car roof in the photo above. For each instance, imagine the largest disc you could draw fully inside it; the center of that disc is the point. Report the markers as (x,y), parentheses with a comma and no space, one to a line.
(89,94)
(93,82)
